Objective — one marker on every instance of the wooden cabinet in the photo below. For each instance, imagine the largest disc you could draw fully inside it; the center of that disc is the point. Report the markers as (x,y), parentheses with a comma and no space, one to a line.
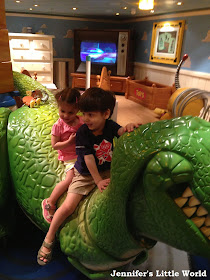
(118,84)
(2,15)
(33,52)
(6,77)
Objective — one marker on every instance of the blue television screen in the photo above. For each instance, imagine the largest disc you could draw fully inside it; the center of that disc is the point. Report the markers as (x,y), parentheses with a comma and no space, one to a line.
(100,52)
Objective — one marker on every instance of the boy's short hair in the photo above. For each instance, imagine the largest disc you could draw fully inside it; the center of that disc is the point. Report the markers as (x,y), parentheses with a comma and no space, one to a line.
(97,100)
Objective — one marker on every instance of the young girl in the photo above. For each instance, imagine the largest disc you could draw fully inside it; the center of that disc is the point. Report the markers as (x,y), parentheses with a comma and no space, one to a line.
(63,139)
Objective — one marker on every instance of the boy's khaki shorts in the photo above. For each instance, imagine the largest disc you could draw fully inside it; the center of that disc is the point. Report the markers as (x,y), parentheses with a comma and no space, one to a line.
(83,184)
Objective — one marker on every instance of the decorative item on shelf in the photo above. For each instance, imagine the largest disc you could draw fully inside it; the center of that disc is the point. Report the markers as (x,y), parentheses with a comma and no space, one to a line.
(40,32)
(35,76)
(146,4)
(166,42)
(29,29)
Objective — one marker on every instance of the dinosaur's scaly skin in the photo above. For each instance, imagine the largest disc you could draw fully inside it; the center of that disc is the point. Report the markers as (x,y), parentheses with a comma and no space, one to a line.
(150,167)
(6,218)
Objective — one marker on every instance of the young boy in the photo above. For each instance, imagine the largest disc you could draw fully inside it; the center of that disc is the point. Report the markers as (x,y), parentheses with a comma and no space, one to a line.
(94,145)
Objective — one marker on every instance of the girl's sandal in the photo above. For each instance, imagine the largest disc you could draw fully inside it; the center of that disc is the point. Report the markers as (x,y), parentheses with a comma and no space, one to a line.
(45,211)
(46,256)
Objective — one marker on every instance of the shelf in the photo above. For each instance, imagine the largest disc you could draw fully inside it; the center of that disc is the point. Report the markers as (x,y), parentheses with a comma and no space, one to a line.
(117,84)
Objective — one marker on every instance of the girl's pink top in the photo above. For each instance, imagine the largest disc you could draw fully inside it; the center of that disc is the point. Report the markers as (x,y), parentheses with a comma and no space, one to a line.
(63,131)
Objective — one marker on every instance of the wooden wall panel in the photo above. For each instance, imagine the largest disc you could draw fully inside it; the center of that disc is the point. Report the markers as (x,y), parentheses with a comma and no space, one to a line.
(4,45)
(6,77)
(166,76)
(2,15)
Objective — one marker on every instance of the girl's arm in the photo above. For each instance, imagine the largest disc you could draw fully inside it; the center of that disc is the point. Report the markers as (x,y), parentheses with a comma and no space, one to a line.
(58,145)
(91,165)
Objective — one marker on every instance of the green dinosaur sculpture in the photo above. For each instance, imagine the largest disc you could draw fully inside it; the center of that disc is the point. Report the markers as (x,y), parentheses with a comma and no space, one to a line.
(7,219)
(145,202)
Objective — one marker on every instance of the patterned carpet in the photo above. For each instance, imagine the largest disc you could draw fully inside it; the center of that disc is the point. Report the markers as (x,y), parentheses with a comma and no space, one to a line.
(18,259)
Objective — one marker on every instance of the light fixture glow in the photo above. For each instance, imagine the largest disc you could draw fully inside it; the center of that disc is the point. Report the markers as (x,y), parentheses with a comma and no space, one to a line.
(74,9)
(17,1)
(167,27)
(146,4)
(117,14)
(179,3)
(36,5)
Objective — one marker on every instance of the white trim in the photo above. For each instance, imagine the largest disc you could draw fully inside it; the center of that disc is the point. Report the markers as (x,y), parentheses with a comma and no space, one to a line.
(49,86)
(30,35)
(202,75)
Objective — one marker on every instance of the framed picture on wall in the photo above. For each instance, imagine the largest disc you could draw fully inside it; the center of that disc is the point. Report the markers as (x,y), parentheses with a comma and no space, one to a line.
(166,42)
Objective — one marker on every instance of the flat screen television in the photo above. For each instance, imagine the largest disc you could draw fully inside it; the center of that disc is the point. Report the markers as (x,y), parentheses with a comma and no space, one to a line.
(110,48)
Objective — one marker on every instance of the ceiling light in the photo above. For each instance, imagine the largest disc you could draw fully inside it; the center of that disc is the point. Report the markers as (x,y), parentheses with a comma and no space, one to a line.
(133,11)
(17,1)
(36,5)
(146,4)
(179,3)
(125,8)
(30,9)
(152,11)
(117,14)
(74,9)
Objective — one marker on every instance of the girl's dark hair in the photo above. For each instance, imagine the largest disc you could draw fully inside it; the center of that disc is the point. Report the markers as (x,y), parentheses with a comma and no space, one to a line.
(97,100)
(68,95)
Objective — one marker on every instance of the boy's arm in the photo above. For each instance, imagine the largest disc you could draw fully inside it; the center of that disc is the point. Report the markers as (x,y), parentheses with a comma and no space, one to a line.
(91,165)
(128,128)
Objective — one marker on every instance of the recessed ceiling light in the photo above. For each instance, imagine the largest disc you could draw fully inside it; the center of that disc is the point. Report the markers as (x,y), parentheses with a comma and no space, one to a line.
(17,1)
(125,8)
(117,14)
(74,9)
(133,11)
(36,5)
(30,9)
(179,3)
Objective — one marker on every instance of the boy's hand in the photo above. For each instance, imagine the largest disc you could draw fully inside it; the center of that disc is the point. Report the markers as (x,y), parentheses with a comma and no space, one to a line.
(103,184)
(130,126)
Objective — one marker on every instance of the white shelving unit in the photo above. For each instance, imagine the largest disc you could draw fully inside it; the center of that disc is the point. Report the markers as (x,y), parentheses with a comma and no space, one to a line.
(33,52)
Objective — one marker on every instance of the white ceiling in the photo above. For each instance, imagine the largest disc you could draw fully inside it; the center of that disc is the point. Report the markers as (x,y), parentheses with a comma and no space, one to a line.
(101,8)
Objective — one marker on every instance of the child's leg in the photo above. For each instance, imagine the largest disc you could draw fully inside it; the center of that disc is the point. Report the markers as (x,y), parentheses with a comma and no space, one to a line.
(66,209)
(58,190)
(61,187)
